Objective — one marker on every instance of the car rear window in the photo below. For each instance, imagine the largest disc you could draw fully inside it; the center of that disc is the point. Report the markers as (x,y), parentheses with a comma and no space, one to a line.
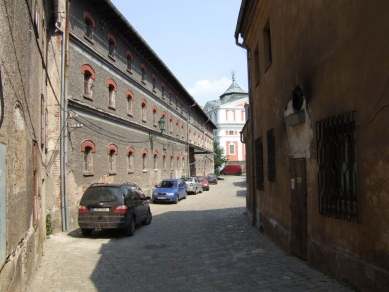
(202,178)
(167,184)
(101,194)
(187,179)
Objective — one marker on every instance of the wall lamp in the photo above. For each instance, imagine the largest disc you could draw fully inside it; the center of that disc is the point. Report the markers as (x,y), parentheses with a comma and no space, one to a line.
(161,125)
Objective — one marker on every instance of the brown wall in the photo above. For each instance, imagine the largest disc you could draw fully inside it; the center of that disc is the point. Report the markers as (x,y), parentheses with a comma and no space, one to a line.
(337,52)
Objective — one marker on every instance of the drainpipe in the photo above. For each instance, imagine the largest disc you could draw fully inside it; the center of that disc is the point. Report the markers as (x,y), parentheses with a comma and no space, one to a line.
(63,120)
(251,103)
(204,142)
(187,137)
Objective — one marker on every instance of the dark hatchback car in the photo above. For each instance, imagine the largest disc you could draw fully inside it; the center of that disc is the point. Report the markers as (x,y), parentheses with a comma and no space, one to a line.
(212,178)
(113,206)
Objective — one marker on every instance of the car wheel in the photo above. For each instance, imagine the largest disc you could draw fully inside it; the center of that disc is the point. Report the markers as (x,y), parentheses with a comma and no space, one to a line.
(147,221)
(86,231)
(195,191)
(177,199)
(201,190)
(130,230)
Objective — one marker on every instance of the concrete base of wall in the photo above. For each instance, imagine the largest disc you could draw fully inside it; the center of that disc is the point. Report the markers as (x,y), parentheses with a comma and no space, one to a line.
(355,273)
(276,232)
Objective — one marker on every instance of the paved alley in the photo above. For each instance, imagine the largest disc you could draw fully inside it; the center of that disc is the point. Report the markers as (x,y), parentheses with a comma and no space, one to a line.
(204,243)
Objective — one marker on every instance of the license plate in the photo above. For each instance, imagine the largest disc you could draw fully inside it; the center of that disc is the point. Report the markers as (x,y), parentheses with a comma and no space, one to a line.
(161,198)
(100,209)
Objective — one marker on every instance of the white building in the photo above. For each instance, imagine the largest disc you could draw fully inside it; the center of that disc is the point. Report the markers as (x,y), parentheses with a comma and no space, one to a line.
(228,114)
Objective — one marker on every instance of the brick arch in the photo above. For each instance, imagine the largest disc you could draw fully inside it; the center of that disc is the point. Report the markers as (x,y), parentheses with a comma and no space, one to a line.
(171,118)
(182,125)
(87,67)
(154,77)
(163,115)
(130,150)
(110,37)
(112,147)
(155,153)
(130,94)
(164,154)
(171,155)
(88,143)
(155,110)
(178,156)
(112,82)
(87,16)
(144,152)
(177,122)
(143,102)
(129,54)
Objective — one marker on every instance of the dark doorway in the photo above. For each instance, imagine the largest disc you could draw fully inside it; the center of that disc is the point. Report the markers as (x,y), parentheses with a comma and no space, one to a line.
(298,207)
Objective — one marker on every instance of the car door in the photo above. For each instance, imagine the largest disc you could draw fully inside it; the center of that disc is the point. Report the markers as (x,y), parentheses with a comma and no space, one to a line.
(134,203)
(182,188)
(144,201)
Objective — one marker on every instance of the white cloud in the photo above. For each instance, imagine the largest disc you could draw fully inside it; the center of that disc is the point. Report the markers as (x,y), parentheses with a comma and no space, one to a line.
(205,90)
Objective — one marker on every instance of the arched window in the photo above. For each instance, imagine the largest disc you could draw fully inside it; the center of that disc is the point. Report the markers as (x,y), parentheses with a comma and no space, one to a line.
(130,60)
(89,77)
(171,161)
(155,157)
(90,24)
(130,102)
(154,82)
(164,160)
(112,151)
(163,90)
(183,161)
(144,108)
(170,96)
(112,89)
(130,159)
(88,148)
(171,124)
(177,128)
(155,113)
(144,71)
(144,160)
(112,46)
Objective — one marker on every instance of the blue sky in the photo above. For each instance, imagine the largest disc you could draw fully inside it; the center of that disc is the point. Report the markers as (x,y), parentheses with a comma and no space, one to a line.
(195,39)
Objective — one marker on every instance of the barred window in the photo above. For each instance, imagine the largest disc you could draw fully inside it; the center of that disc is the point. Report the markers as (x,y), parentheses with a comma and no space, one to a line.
(271,158)
(259,163)
(336,156)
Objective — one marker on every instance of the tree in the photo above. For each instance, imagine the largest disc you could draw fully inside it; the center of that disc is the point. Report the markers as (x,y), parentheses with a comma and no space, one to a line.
(219,158)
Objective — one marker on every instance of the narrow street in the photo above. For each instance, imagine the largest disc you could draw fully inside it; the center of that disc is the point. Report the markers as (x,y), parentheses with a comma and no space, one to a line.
(204,243)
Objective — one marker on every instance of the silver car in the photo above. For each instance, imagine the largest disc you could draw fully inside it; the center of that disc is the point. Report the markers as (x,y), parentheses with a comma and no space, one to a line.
(194,186)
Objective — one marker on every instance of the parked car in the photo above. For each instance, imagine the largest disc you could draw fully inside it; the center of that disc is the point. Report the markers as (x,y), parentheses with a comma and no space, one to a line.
(170,190)
(194,186)
(109,206)
(212,178)
(232,169)
(204,182)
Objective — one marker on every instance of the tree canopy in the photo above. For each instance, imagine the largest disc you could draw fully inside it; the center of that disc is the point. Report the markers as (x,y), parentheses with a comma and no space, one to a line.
(219,158)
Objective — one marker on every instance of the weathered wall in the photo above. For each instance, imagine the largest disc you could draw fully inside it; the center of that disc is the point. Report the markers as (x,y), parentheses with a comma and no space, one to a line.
(22,50)
(341,64)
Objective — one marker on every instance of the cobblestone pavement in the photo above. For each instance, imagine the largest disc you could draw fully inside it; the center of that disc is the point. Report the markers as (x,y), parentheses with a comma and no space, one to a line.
(203,243)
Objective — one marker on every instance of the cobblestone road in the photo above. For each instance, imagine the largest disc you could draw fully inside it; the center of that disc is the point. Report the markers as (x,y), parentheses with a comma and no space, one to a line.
(203,243)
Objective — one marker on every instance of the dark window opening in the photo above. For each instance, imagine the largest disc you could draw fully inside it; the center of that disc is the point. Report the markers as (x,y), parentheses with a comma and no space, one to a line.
(256,65)
(271,158)
(336,156)
(267,43)
(259,163)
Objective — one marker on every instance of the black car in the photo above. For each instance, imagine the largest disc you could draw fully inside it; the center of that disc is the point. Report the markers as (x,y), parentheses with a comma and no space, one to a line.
(113,206)
(212,178)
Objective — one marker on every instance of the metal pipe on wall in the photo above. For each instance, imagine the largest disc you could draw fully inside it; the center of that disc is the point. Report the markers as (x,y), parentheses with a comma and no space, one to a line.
(187,138)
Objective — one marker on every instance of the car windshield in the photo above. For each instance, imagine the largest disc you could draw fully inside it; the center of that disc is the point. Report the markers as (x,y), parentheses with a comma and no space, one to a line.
(187,178)
(167,184)
(101,194)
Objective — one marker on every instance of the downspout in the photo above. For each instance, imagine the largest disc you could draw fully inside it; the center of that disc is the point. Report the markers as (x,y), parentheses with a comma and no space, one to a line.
(63,120)
(62,126)
(187,137)
(204,142)
(251,186)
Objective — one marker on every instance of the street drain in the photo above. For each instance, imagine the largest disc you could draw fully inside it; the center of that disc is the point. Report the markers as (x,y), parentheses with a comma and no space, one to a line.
(156,246)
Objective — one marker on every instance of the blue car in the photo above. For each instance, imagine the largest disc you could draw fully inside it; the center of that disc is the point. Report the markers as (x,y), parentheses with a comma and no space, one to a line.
(170,190)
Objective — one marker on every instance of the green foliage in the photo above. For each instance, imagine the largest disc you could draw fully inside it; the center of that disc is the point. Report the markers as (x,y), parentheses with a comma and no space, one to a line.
(219,158)
(49,228)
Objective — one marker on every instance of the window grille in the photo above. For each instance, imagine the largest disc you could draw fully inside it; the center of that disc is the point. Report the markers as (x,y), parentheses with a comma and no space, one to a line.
(271,158)
(259,163)
(336,156)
